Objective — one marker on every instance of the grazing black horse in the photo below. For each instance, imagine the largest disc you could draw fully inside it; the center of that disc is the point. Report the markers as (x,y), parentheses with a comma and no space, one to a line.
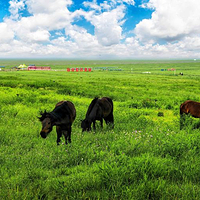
(99,109)
(62,117)
(189,108)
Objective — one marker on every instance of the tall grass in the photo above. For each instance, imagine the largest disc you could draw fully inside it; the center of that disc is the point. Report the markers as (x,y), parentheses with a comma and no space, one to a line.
(146,155)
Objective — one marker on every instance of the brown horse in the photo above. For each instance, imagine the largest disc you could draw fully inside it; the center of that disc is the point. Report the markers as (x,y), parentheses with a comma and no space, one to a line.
(62,117)
(99,109)
(189,108)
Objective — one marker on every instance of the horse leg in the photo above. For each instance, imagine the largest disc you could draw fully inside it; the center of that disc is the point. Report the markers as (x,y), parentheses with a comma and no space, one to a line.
(94,127)
(67,134)
(59,134)
(182,120)
(110,120)
(101,122)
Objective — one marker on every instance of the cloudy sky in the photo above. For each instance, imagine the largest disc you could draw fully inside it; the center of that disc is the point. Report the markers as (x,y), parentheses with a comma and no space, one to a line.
(100,29)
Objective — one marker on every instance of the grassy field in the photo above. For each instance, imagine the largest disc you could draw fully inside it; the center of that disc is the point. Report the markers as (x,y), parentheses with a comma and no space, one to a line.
(146,155)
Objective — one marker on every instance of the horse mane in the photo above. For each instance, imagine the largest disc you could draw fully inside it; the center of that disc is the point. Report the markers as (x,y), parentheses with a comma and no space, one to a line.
(94,101)
(44,115)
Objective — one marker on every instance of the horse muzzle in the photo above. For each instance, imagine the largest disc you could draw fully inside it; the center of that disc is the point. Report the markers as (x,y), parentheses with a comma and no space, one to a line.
(43,134)
(83,129)
(86,129)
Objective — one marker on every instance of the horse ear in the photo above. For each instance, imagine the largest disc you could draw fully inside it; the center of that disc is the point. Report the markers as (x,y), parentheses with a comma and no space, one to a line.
(40,118)
(43,114)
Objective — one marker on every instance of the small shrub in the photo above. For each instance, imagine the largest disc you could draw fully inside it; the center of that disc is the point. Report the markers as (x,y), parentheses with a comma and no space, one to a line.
(160,114)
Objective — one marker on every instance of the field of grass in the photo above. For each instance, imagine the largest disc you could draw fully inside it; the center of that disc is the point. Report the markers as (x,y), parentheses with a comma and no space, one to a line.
(146,155)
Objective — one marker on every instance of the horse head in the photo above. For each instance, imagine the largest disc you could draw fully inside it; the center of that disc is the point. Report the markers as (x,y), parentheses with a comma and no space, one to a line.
(47,124)
(86,125)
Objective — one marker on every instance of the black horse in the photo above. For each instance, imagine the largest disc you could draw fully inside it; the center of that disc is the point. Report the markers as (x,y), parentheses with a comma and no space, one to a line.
(99,109)
(62,117)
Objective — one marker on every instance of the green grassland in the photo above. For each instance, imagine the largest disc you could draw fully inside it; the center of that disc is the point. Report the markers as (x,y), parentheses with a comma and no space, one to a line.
(146,155)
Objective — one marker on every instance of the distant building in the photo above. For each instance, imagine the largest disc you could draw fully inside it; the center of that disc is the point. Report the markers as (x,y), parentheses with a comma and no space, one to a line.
(22,67)
(34,68)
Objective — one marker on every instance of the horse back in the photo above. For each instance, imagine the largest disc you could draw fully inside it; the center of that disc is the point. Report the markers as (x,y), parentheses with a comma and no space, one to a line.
(68,108)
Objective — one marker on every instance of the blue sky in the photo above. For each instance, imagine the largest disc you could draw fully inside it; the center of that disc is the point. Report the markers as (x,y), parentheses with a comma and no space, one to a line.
(100,29)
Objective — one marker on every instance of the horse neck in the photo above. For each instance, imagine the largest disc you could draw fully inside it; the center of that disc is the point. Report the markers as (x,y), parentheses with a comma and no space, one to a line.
(91,116)
(53,116)
(56,114)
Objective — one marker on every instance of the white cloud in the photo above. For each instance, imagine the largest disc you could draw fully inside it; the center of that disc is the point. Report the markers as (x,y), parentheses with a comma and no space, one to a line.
(53,15)
(50,15)
(107,25)
(173,31)
(190,43)
(37,27)
(107,5)
(171,20)
(130,2)
(81,37)
(50,6)
(92,5)
(39,36)
(15,7)
(6,34)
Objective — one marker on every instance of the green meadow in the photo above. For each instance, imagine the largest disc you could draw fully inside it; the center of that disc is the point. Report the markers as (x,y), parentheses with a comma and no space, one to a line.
(145,156)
